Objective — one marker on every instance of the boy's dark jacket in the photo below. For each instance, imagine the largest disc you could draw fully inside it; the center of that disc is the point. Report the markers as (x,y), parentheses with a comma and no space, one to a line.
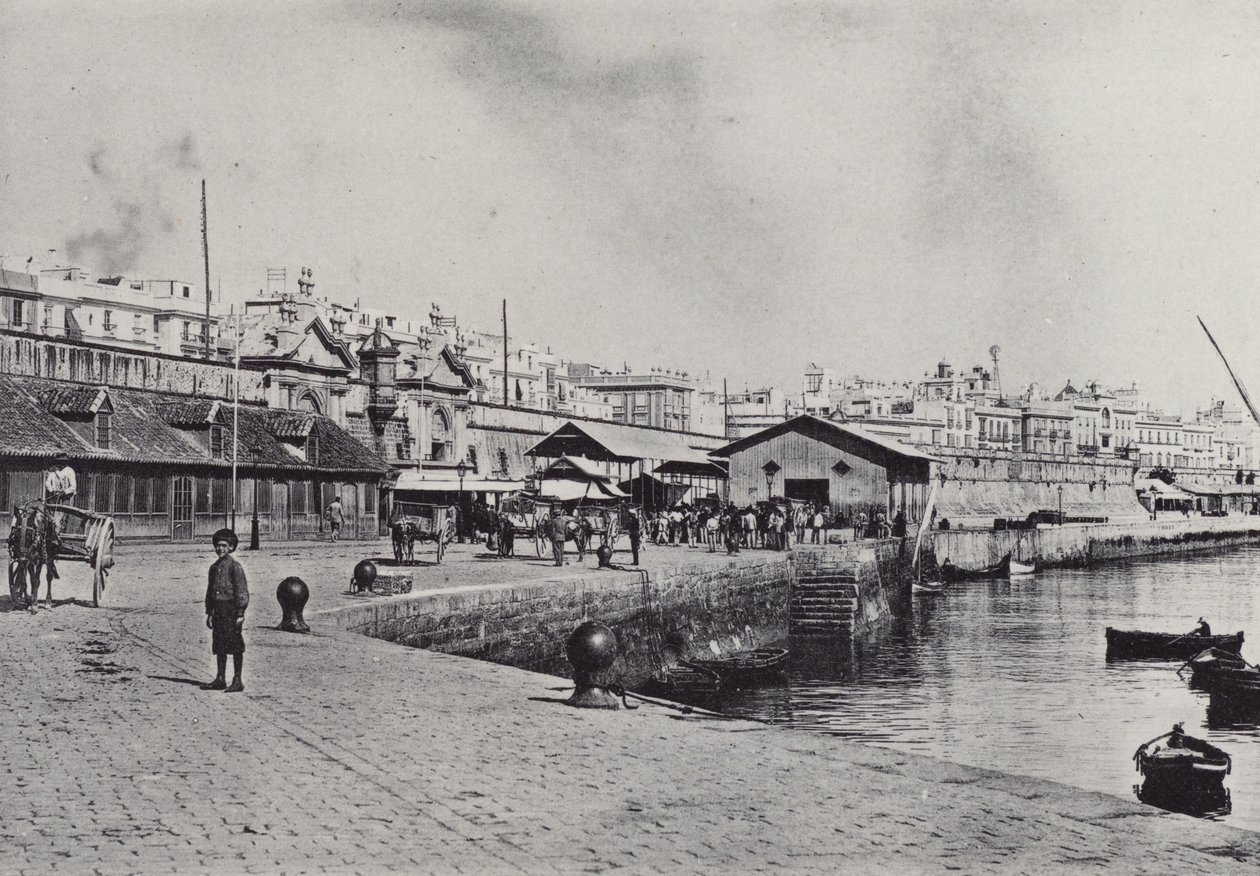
(227,587)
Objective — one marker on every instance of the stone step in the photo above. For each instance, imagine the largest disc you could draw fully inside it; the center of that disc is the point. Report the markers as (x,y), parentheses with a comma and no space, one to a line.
(823,604)
(827,579)
(822,616)
(836,587)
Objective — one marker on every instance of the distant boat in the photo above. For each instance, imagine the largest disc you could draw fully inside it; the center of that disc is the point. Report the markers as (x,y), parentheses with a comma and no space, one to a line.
(1014,567)
(1182,764)
(1167,646)
(1213,664)
(954,573)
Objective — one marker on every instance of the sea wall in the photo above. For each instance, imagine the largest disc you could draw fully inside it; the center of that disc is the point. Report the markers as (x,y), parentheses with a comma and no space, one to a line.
(1089,543)
(975,487)
(658,616)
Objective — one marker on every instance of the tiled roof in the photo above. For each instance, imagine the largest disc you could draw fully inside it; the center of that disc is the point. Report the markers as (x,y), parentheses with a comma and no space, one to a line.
(73,399)
(189,412)
(288,425)
(141,432)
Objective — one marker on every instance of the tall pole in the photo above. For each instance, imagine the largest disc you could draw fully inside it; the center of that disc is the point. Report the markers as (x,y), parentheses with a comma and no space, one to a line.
(205,249)
(726,411)
(236,411)
(505,354)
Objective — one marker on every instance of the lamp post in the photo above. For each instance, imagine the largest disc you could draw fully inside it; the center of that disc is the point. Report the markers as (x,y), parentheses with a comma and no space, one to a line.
(1060,504)
(769,485)
(461,470)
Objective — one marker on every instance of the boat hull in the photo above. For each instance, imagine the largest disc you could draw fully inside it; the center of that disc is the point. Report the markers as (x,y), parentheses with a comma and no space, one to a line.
(1167,646)
(746,665)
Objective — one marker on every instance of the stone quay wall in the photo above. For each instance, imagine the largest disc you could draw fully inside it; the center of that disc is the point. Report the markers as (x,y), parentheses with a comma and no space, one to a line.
(1073,545)
(658,617)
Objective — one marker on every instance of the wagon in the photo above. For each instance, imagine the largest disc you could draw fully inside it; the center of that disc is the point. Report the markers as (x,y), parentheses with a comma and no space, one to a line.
(428,524)
(61,533)
(601,520)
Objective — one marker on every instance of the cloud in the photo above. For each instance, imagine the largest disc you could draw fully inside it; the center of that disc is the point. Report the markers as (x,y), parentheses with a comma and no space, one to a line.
(114,249)
(182,153)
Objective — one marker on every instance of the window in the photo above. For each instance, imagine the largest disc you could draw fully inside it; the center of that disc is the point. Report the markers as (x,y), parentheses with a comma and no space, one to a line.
(122,494)
(262,496)
(143,490)
(216,442)
(160,491)
(312,449)
(186,292)
(221,497)
(104,424)
(300,494)
(17,314)
(369,499)
(102,492)
(109,321)
(187,335)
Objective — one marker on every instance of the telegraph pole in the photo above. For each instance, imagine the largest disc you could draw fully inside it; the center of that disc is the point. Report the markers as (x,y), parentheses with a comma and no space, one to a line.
(505,351)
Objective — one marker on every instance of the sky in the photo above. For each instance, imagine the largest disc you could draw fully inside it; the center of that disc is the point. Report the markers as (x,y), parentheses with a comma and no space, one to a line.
(734,188)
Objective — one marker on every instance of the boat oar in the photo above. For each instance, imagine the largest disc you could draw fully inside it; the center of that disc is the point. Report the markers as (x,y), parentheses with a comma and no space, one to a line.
(1179,638)
(1143,746)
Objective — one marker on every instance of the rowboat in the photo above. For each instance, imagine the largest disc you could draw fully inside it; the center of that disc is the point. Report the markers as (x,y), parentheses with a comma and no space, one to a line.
(953,573)
(744,665)
(1213,665)
(1182,764)
(1167,646)
(1014,567)
(927,586)
(685,681)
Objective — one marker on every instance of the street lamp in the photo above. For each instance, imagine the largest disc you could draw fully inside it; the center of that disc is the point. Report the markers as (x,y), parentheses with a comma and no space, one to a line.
(1060,504)
(461,470)
(769,484)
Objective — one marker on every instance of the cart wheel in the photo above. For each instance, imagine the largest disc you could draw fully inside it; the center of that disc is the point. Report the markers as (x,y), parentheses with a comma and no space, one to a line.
(98,585)
(441,549)
(540,545)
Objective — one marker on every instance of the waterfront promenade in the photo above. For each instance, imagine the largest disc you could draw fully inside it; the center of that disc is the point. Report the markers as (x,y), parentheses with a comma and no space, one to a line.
(347,754)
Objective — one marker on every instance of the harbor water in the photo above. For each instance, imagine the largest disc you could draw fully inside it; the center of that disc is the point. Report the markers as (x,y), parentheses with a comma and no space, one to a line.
(1012,675)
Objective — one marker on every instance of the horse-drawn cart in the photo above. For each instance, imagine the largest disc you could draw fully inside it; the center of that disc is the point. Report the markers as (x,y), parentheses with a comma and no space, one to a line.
(427,524)
(42,535)
(604,521)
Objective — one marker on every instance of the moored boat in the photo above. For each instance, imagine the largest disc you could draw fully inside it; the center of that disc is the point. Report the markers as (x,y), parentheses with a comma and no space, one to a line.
(745,665)
(1167,646)
(1014,567)
(1174,763)
(950,572)
(1213,664)
(685,681)
(927,586)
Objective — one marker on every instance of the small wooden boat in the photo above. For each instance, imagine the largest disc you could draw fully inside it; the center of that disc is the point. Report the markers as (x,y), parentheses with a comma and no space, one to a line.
(953,573)
(927,586)
(1014,567)
(685,681)
(1167,646)
(1214,664)
(1182,764)
(744,665)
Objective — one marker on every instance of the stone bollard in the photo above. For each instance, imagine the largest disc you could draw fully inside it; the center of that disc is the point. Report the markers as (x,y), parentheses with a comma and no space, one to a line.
(292,595)
(364,576)
(592,650)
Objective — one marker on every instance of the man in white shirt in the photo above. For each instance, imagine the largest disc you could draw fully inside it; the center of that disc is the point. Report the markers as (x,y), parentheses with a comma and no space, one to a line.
(60,484)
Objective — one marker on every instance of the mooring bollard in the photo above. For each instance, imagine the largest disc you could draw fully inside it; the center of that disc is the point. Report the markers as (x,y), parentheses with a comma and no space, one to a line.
(292,595)
(592,650)
(603,553)
(364,576)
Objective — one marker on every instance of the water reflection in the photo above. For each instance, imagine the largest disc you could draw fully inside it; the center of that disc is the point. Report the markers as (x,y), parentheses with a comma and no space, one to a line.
(1013,675)
(1214,804)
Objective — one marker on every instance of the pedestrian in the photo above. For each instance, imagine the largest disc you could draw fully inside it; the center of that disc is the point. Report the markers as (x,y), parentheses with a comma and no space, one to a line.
(859,525)
(507,537)
(227,596)
(899,524)
(817,525)
(635,529)
(733,529)
(560,523)
(711,531)
(335,517)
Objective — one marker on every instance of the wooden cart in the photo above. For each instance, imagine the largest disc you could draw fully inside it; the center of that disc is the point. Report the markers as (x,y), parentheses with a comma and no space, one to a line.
(62,533)
(428,524)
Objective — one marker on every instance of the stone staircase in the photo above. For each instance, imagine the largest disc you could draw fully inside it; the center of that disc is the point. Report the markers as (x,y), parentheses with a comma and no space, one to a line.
(823,600)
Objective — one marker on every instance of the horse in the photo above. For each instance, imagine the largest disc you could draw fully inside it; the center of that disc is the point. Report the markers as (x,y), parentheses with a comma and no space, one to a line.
(485,519)
(403,532)
(33,541)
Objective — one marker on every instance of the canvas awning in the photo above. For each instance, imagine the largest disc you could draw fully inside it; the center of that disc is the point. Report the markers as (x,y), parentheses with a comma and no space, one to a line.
(1163,491)
(710,468)
(569,491)
(417,481)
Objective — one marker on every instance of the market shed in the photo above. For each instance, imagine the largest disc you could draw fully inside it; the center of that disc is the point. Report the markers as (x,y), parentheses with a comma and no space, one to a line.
(830,464)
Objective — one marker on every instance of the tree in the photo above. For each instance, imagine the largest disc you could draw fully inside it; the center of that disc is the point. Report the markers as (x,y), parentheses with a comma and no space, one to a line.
(1163,474)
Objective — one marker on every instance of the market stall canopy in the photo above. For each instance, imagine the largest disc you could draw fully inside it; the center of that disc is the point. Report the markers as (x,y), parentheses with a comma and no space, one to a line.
(564,490)
(606,442)
(1162,490)
(419,481)
(710,468)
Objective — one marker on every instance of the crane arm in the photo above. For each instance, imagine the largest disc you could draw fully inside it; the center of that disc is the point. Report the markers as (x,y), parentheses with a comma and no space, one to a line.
(1242,390)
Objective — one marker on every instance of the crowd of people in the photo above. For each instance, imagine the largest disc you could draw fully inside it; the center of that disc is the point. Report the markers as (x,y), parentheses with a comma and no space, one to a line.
(766,525)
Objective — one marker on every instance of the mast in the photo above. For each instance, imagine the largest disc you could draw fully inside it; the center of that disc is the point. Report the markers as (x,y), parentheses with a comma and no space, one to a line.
(205,249)
(1242,390)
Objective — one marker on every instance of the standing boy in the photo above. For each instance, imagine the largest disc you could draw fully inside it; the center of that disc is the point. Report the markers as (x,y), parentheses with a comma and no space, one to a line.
(635,528)
(227,596)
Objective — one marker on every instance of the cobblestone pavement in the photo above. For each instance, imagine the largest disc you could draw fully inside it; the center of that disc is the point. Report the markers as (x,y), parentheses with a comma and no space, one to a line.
(347,754)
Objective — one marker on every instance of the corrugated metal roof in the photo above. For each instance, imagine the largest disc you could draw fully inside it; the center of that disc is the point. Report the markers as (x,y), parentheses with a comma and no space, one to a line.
(609,442)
